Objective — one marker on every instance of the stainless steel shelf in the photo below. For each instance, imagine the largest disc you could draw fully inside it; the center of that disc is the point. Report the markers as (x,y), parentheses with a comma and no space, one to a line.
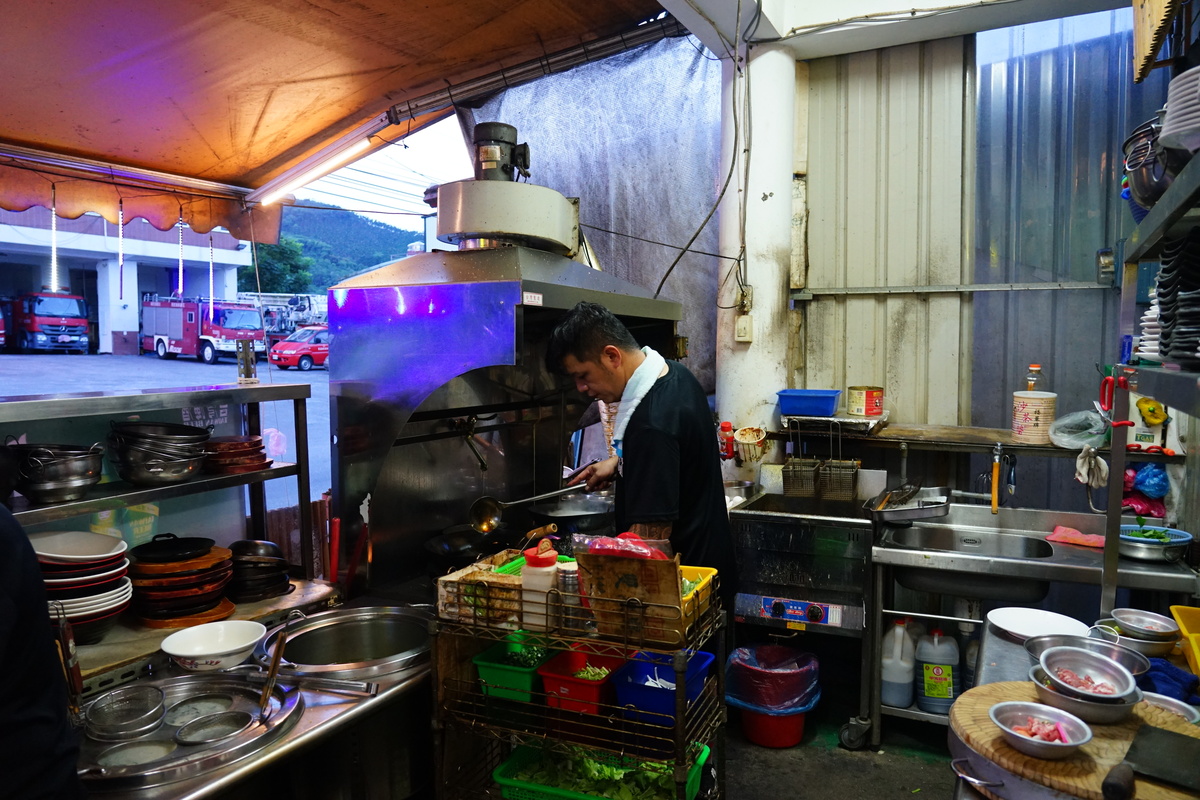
(118,494)
(1177,389)
(76,404)
(1172,213)
(912,712)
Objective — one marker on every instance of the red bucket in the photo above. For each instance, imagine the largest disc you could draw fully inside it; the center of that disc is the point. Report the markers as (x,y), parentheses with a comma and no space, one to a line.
(768,731)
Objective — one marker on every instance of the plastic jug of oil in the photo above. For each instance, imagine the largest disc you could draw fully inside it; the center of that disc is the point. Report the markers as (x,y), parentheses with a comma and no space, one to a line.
(936,679)
(896,688)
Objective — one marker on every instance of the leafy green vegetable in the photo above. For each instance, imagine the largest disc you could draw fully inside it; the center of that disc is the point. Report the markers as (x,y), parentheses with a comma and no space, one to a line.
(579,773)
(1144,533)
(590,673)
(689,586)
(529,656)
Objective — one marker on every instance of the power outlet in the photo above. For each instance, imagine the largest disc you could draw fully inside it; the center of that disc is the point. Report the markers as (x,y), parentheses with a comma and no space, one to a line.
(747,299)
(743,328)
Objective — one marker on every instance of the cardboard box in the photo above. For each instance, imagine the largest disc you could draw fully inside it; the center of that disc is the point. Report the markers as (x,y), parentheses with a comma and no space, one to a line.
(479,595)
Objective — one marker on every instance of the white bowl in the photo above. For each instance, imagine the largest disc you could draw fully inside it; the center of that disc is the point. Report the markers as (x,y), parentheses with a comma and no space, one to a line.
(119,569)
(76,545)
(214,645)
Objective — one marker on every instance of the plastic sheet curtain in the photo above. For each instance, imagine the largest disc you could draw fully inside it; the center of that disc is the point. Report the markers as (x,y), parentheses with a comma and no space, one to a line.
(1055,101)
(637,138)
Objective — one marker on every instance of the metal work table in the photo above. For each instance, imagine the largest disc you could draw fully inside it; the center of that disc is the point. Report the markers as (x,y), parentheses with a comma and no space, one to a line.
(999,659)
(325,713)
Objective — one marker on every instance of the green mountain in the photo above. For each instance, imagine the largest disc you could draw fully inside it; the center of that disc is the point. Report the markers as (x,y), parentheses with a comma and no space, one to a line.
(341,243)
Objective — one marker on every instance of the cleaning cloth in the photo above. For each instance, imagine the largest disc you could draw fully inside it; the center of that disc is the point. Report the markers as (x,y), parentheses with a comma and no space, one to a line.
(1071,536)
(640,382)
(1165,678)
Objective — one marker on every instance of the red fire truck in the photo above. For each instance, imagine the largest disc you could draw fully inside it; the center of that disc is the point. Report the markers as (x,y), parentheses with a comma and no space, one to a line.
(47,321)
(182,327)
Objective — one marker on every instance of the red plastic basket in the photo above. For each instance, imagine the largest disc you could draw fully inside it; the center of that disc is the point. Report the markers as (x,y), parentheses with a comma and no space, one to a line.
(565,691)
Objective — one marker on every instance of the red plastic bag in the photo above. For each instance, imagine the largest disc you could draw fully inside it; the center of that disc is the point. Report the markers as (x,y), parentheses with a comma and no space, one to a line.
(627,544)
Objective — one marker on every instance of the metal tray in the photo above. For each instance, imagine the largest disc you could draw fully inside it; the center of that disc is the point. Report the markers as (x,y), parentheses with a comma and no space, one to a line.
(933,501)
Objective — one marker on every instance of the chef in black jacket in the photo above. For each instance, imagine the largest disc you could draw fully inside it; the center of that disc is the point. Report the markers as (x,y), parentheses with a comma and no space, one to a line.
(667,469)
(39,749)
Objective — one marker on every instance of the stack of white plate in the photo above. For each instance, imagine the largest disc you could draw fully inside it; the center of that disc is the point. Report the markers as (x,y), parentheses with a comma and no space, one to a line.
(85,578)
(1148,343)
(1181,125)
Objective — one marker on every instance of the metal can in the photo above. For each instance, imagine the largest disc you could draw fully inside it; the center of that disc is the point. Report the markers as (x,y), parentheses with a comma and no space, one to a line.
(864,401)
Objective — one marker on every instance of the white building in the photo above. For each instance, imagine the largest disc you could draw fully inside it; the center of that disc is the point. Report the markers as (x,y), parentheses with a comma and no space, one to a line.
(112,272)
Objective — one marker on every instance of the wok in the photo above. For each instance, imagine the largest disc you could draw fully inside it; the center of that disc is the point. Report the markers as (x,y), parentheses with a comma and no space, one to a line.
(588,513)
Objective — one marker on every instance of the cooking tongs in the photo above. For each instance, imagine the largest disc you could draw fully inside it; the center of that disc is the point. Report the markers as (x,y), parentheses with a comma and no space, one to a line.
(898,496)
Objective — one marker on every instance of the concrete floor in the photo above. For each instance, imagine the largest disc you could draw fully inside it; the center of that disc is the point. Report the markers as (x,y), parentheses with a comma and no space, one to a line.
(912,761)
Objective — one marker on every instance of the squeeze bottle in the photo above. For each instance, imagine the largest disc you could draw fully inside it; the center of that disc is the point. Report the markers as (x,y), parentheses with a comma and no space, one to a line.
(725,439)
(898,662)
(936,678)
(538,577)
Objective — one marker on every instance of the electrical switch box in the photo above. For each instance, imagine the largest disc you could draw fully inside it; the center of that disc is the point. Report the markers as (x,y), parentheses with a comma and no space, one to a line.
(743,328)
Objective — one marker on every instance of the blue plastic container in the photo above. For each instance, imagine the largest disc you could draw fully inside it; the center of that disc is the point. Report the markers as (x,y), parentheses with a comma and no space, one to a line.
(808,402)
(654,705)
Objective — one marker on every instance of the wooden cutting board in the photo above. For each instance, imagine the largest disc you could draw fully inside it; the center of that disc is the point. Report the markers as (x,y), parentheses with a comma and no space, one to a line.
(224,609)
(1079,775)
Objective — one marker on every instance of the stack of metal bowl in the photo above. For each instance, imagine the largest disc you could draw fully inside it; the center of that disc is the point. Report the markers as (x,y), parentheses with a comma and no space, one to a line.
(157,453)
(56,473)
(1150,634)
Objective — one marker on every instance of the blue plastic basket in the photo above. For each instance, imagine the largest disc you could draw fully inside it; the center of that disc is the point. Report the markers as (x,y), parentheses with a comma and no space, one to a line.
(808,402)
(651,704)
(1177,536)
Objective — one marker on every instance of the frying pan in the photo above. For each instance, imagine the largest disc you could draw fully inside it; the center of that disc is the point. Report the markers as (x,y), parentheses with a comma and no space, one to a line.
(169,547)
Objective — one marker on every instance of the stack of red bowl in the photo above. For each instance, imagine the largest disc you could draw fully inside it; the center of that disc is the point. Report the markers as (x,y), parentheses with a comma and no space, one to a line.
(85,578)
(230,455)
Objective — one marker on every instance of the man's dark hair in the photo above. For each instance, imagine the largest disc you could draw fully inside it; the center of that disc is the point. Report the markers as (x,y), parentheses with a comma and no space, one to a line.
(586,330)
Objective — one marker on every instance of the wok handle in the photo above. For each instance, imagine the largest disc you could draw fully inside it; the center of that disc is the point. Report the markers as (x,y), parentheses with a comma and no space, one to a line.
(577,472)
(958,766)
(566,490)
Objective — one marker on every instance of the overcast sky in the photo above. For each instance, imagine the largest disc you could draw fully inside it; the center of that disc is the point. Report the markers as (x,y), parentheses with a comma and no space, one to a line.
(388,185)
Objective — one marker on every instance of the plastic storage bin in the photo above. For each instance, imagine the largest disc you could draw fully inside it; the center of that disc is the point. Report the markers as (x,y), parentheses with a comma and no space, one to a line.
(652,704)
(808,402)
(565,691)
(514,789)
(508,681)
(1188,618)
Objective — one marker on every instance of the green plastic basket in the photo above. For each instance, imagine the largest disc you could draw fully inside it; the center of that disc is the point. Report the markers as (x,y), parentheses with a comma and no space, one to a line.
(507,681)
(513,789)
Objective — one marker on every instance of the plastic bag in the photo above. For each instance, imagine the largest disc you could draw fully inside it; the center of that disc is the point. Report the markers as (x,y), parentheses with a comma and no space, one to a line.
(772,679)
(1079,429)
(1143,506)
(1130,477)
(1152,481)
(626,544)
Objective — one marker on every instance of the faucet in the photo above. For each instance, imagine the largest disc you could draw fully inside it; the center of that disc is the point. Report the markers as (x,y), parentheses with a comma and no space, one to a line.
(997,452)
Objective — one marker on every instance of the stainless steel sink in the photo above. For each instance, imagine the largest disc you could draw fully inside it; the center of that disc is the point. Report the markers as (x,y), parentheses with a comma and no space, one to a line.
(969,562)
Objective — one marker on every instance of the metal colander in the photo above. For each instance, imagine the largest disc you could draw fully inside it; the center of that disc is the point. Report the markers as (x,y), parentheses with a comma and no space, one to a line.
(125,713)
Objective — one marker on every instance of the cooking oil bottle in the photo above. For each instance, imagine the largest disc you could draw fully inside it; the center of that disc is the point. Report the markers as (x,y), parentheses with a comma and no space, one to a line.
(1035,380)
(896,688)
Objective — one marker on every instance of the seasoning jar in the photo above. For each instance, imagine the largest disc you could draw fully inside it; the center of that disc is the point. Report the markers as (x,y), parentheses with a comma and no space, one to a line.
(571,609)
(538,576)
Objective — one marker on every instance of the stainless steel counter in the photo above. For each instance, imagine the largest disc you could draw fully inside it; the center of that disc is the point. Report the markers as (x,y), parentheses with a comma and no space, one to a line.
(325,713)
(1068,563)
(999,659)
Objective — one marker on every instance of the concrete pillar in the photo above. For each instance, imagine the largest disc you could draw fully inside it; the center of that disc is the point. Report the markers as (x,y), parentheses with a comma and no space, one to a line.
(749,373)
(117,307)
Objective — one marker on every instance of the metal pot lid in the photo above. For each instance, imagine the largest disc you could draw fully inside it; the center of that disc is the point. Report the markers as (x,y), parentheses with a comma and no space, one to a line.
(169,547)
(352,643)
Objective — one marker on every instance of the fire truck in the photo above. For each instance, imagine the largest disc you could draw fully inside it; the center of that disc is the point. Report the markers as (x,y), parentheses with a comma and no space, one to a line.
(182,327)
(46,321)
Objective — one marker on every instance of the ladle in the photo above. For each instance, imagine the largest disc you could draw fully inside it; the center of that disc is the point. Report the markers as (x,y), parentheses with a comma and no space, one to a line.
(485,512)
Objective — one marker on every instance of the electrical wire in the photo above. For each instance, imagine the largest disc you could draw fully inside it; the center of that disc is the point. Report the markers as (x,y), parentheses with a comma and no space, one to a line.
(733,160)
(653,241)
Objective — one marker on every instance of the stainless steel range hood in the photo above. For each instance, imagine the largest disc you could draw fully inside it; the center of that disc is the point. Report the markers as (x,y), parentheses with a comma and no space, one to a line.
(438,392)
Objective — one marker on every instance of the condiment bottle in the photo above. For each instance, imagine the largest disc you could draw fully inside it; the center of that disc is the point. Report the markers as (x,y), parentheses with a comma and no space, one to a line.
(725,439)
(936,678)
(538,577)
(1035,381)
(896,687)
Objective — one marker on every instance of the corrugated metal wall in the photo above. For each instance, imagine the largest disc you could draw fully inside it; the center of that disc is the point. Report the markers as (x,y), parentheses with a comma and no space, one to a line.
(1055,101)
(890,206)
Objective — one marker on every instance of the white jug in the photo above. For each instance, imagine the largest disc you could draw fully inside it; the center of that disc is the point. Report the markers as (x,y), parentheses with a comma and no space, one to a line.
(898,662)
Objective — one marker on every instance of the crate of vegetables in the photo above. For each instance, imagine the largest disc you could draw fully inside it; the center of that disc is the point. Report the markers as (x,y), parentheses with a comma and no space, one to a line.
(509,670)
(578,681)
(533,774)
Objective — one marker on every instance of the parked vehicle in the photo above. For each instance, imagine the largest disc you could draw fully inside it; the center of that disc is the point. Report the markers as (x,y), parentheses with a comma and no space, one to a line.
(283,313)
(47,321)
(306,348)
(174,327)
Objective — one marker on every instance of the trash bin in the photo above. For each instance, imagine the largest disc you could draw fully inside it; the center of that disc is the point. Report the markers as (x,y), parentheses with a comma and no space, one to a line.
(774,686)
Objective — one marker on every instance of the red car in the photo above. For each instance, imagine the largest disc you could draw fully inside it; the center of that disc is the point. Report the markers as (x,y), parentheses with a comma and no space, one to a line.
(306,348)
